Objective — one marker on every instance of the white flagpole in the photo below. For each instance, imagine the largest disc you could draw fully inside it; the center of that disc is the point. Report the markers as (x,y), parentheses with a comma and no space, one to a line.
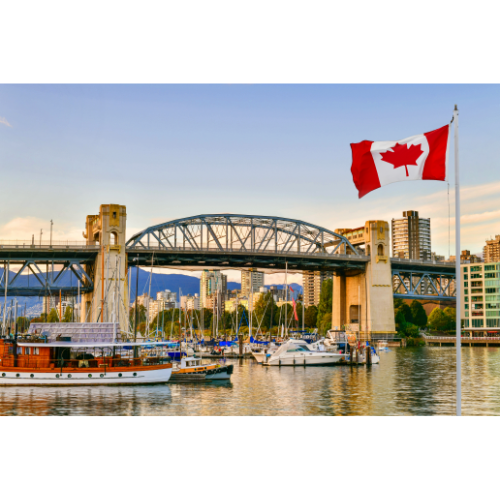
(457,269)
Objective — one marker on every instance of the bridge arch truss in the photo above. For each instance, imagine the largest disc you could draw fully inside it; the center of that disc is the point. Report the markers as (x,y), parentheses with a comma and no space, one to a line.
(257,240)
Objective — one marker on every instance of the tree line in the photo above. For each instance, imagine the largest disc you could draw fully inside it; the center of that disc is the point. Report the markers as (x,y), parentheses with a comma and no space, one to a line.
(410,319)
(267,316)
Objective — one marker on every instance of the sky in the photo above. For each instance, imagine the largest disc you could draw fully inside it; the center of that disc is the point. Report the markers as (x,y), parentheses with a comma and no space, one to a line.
(172,151)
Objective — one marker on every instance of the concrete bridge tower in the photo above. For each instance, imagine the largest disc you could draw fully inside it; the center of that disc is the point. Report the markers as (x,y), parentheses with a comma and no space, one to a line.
(364,301)
(109,300)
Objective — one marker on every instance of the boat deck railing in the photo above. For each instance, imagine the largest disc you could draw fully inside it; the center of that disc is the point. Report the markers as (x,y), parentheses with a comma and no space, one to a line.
(38,362)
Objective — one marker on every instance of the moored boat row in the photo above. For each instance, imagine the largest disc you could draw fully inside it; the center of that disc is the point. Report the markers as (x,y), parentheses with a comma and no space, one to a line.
(94,354)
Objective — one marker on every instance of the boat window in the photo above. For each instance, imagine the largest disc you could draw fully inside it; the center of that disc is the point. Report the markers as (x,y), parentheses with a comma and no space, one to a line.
(27,350)
(36,350)
(297,348)
(19,350)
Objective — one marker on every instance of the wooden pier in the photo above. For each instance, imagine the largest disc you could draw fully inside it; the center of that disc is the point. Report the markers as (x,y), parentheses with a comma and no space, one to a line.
(465,341)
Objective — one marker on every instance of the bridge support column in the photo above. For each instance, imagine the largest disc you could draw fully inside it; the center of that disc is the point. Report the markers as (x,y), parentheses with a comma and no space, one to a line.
(109,300)
(364,301)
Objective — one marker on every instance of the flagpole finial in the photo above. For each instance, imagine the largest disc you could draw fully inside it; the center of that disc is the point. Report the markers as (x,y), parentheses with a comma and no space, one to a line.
(456,107)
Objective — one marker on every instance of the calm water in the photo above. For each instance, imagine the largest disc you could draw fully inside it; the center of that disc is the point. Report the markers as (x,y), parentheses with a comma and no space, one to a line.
(412,381)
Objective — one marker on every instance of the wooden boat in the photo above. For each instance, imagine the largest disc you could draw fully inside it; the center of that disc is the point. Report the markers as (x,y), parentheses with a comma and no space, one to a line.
(81,354)
(190,369)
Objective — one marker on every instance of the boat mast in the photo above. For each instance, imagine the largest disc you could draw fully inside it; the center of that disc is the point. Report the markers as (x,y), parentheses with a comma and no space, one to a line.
(286,299)
(149,293)
(6,285)
(250,306)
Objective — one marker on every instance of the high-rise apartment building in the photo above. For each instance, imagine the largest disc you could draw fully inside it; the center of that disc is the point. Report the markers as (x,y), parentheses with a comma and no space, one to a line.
(491,251)
(251,279)
(312,282)
(211,283)
(411,237)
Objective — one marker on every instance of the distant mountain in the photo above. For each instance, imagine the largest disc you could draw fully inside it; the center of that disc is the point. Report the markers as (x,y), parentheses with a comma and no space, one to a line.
(173,282)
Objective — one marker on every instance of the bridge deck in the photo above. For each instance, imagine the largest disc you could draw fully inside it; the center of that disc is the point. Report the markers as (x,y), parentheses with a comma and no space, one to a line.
(179,257)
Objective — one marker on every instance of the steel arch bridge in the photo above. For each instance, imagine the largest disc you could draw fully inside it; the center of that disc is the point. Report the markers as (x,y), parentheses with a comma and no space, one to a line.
(233,240)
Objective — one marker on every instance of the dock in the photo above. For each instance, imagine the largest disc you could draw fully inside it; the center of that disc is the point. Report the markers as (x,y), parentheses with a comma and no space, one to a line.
(446,341)
(228,355)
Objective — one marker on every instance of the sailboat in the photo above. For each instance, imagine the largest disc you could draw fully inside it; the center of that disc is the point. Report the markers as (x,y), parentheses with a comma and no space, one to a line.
(99,353)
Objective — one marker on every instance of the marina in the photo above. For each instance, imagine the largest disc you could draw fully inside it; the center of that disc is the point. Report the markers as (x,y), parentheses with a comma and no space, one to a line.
(408,381)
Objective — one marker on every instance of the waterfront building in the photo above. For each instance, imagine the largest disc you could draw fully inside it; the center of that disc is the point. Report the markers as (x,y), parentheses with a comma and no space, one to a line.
(191,302)
(231,304)
(253,279)
(491,251)
(480,305)
(311,283)
(214,302)
(212,282)
(411,237)
(152,309)
(167,296)
(142,300)
(52,302)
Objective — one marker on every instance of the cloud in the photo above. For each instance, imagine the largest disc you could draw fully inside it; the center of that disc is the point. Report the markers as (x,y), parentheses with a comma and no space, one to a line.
(24,228)
(480,215)
(5,122)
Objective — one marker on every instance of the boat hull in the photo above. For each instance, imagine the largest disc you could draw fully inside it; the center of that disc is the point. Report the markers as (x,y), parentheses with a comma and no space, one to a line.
(139,376)
(217,373)
(325,359)
(260,357)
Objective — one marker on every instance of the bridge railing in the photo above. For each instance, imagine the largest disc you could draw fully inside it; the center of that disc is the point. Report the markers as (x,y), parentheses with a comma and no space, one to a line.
(451,265)
(55,244)
(215,249)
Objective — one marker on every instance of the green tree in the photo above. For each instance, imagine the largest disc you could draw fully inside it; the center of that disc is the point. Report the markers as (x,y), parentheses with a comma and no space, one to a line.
(311,317)
(418,313)
(53,317)
(326,323)
(451,312)
(325,302)
(400,321)
(264,309)
(141,311)
(406,310)
(284,316)
(68,315)
(439,320)
(412,331)
(398,303)
(22,323)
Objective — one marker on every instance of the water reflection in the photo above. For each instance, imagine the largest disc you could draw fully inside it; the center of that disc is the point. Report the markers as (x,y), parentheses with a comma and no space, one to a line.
(419,381)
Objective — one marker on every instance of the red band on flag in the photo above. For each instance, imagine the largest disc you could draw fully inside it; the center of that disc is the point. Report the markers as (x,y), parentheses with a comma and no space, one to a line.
(364,172)
(435,165)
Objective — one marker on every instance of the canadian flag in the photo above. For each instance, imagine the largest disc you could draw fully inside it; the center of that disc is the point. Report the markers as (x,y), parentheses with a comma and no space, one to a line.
(420,157)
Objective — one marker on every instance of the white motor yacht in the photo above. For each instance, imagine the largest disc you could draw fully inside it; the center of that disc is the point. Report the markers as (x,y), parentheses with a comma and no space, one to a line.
(264,353)
(299,353)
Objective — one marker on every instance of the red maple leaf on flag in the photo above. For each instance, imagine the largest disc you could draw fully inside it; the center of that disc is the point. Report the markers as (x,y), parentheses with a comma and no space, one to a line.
(402,155)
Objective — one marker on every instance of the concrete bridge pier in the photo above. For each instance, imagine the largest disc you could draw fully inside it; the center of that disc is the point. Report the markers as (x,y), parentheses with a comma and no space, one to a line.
(109,299)
(363,301)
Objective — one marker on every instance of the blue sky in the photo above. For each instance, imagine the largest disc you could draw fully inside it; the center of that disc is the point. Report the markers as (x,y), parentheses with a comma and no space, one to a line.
(169,151)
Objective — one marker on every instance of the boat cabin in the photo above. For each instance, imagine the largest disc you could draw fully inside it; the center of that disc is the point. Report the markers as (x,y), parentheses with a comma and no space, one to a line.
(53,346)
